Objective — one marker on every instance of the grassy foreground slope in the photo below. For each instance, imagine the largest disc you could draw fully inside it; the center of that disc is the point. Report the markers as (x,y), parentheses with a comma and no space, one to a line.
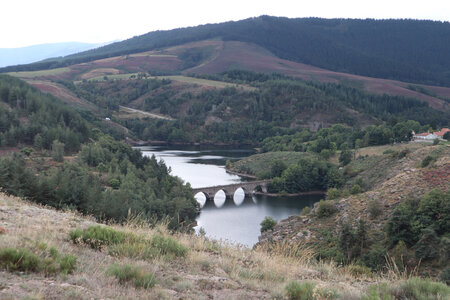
(113,266)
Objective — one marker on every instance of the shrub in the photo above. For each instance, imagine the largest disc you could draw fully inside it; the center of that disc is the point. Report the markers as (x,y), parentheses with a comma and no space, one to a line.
(355,189)
(305,211)
(98,236)
(417,288)
(375,258)
(358,270)
(13,259)
(333,193)
(168,246)
(325,293)
(436,142)
(325,208)
(445,276)
(300,291)
(50,262)
(27,151)
(427,161)
(374,208)
(267,224)
(157,247)
(378,292)
(128,273)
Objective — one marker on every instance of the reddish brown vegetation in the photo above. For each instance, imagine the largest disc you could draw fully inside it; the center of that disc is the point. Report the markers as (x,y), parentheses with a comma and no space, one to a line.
(437,177)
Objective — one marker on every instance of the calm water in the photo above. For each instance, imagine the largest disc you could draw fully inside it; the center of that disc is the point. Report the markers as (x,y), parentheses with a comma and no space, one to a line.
(235,220)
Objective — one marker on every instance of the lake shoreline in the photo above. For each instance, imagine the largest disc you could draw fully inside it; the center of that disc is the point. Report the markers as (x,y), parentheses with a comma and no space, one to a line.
(292,195)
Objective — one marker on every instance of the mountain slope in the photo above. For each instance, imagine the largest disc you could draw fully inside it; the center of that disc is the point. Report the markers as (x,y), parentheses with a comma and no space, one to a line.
(408,50)
(214,56)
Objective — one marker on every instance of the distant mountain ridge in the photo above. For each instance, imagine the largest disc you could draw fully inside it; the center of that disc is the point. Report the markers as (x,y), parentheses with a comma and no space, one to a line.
(407,50)
(35,53)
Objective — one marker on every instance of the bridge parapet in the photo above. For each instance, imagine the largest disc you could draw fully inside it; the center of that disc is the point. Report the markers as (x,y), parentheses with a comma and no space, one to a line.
(230,189)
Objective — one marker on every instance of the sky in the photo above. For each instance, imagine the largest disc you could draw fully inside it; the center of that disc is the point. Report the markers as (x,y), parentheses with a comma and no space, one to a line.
(30,22)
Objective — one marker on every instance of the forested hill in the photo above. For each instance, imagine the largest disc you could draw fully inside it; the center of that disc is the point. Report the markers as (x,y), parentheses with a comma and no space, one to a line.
(407,50)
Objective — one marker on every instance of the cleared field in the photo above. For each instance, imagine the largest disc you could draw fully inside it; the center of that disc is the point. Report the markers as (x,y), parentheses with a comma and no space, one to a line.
(34,74)
(378,150)
(205,82)
(131,113)
(112,76)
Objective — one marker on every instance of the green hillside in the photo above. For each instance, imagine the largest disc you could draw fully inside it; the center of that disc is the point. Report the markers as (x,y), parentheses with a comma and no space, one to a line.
(258,106)
(408,50)
(63,159)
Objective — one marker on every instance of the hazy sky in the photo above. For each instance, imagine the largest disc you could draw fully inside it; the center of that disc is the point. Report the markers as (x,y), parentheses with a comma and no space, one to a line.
(29,22)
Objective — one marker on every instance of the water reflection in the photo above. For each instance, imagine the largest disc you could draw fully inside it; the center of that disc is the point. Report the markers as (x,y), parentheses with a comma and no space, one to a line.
(238,196)
(237,219)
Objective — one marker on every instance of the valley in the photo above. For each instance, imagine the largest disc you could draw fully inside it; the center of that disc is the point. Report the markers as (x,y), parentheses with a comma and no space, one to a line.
(344,120)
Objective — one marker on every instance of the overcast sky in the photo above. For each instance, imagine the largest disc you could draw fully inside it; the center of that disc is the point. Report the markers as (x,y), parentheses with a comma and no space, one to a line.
(30,22)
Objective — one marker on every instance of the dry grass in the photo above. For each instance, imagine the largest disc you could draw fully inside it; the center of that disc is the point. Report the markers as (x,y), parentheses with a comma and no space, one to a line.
(209,269)
(34,74)
(206,82)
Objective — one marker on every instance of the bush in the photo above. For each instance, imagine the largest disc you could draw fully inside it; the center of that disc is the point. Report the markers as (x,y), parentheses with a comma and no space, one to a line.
(168,246)
(305,211)
(23,260)
(445,276)
(375,258)
(374,208)
(427,161)
(418,288)
(325,208)
(300,291)
(98,236)
(136,275)
(49,262)
(333,193)
(267,224)
(355,189)
(358,270)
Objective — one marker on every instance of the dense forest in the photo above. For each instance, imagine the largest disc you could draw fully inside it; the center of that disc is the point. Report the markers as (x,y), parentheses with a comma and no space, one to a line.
(407,50)
(275,105)
(102,176)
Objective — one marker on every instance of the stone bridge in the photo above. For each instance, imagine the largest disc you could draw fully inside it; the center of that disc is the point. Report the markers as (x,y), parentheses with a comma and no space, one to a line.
(229,189)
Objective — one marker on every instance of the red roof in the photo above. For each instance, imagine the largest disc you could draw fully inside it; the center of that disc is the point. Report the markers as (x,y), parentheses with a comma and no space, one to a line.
(442,132)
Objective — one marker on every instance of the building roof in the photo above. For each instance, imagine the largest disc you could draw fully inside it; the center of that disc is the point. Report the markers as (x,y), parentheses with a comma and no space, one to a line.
(442,132)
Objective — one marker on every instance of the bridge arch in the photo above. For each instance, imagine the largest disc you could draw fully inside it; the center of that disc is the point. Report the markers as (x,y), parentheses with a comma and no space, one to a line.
(230,189)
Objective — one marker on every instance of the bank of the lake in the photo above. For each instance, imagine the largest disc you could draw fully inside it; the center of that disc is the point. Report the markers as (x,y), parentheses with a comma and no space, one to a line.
(236,220)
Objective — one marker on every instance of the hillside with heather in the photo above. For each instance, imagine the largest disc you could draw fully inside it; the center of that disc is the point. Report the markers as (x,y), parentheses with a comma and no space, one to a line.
(408,50)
